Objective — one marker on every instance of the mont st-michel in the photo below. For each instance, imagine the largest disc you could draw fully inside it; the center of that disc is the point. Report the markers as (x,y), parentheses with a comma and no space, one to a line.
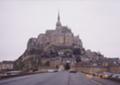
(78,44)
(54,56)
(55,48)
(60,49)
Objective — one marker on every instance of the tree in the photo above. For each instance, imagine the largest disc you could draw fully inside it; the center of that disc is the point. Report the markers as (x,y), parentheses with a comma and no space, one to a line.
(78,59)
(67,66)
(76,51)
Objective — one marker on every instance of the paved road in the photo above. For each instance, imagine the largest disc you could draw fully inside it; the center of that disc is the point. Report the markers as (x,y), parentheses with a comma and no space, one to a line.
(58,78)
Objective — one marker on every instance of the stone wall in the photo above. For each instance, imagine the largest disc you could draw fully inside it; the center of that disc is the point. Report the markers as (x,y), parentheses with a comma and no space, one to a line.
(114,69)
(92,69)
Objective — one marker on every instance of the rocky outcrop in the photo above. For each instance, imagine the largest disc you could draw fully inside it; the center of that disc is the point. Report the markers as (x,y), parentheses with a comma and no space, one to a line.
(60,44)
(53,43)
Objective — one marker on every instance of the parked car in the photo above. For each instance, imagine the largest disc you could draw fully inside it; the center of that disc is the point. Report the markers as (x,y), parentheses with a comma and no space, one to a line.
(115,76)
(52,70)
(104,75)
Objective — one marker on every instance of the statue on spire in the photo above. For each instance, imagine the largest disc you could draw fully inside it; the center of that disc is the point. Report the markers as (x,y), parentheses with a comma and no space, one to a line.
(58,21)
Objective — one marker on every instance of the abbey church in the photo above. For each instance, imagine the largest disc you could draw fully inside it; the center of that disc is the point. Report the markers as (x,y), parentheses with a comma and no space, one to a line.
(60,37)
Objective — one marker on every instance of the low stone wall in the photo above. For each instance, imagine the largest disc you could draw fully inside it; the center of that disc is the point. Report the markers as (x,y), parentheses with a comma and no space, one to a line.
(91,69)
(114,69)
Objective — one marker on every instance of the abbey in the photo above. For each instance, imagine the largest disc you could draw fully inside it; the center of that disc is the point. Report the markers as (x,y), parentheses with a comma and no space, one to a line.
(60,37)
(54,46)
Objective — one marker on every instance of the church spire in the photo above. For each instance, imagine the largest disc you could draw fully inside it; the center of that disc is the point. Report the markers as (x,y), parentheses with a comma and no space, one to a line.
(58,17)
(58,20)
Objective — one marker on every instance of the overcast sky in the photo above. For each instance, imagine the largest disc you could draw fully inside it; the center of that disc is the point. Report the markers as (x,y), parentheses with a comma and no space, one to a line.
(97,22)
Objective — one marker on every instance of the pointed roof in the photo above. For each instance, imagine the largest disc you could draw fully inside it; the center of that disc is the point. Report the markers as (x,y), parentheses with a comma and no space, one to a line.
(58,16)
(58,20)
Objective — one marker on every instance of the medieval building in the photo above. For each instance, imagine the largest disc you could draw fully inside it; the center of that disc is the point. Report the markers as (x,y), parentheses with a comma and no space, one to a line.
(55,46)
(60,37)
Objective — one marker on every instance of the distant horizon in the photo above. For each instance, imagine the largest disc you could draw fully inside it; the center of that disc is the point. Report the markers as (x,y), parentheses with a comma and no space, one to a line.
(96,23)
